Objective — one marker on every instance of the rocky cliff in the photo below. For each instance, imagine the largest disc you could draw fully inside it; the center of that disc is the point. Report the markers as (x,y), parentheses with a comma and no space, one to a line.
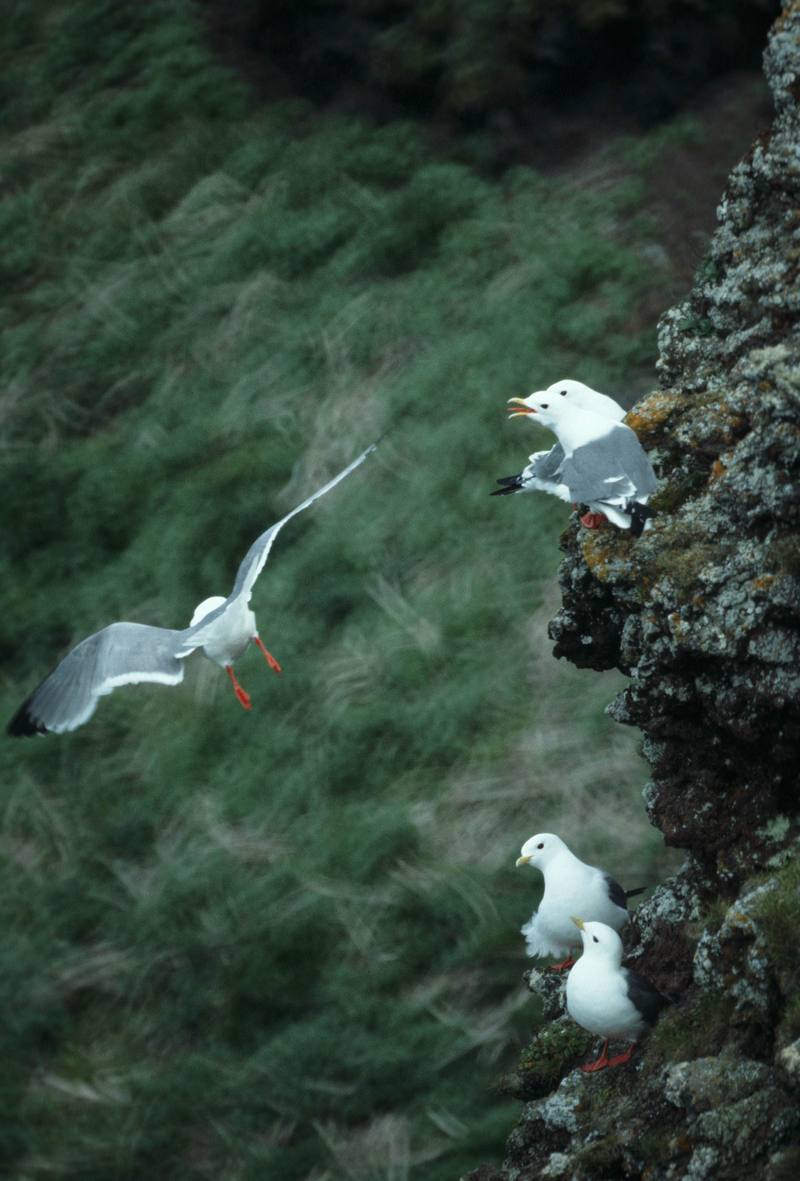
(703,613)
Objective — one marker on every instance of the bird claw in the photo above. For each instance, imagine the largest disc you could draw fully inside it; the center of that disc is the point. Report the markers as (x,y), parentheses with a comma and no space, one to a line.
(600,1064)
(593,520)
(243,697)
(270,659)
(618,1059)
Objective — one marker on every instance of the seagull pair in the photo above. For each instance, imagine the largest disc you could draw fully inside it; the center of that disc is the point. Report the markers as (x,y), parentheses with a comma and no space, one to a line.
(602,996)
(597,460)
(129,653)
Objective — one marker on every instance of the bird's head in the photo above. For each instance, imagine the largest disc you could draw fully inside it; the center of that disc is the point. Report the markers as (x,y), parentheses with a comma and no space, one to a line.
(539,404)
(600,940)
(205,608)
(540,850)
(549,405)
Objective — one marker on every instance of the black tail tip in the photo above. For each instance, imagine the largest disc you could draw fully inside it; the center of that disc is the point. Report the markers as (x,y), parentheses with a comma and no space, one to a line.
(640,515)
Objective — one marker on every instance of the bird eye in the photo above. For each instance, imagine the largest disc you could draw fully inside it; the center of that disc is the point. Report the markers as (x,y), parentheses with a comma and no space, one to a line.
(544,405)
(540,845)
(595,939)
(563,393)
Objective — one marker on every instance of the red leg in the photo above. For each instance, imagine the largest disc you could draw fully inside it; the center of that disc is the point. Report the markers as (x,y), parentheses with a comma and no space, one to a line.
(618,1059)
(593,520)
(602,1061)
(242,697)
(562,967)
(271,661)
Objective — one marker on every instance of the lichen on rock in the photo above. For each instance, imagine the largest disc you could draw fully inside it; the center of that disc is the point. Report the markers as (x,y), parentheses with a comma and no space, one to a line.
(703,614)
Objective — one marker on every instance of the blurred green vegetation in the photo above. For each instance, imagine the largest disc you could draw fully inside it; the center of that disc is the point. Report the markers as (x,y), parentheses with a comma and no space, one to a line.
(495,63)
(285,943)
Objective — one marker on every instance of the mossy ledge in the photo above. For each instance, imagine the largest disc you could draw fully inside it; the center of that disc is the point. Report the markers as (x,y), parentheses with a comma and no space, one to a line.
(703,614)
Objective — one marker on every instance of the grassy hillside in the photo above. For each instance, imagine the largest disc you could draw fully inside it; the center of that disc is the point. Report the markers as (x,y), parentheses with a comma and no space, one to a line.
(284,944)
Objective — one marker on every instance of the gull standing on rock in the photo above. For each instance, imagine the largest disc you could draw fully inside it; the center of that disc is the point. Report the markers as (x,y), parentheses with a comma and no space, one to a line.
(129,653)
(606,999)
(542,472)
(570,885)
(604,464)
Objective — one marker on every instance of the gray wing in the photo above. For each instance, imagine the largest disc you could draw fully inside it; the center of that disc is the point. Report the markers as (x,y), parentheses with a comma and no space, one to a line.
(615,465)
(121,654)
(253,562)
(545,465)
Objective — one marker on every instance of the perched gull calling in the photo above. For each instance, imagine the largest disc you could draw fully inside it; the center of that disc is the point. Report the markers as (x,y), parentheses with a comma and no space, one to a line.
(607,999)
(128,653)
(542,472)
(604,465)
(569,885)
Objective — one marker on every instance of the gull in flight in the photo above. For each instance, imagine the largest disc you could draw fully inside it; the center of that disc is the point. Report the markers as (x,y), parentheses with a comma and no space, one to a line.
(129,653)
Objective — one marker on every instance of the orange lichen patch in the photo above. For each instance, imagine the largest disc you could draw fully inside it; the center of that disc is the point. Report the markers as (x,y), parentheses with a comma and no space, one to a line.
(718,469)
(763,582)
(650,413)
(598,554)
(609,555)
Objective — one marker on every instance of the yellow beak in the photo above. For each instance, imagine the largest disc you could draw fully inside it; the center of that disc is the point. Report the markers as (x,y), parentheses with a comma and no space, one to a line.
(577,922)
(520,407)
(521,861)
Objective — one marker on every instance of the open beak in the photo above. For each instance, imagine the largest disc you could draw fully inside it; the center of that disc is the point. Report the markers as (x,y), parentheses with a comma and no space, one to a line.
(520,407)
(521,861)
(578,922)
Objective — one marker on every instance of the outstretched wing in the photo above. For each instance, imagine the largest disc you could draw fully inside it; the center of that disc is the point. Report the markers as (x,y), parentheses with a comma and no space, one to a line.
(121,654)
(546,465)
(253,562)
(543,474)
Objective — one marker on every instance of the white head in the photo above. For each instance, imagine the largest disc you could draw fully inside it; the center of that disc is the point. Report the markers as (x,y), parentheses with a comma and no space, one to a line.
(565,393)
(205,608)
(600,942)
(540,850)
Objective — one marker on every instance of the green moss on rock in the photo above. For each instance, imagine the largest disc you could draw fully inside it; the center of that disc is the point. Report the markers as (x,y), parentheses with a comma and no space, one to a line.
(554,1051)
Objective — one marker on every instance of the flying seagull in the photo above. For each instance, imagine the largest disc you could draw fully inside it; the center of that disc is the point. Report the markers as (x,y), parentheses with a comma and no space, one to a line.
(569,885)
(606,999)
(129,653)
(602,463)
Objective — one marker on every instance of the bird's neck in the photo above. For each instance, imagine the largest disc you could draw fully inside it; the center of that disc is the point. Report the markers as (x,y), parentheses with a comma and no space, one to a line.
(578,429)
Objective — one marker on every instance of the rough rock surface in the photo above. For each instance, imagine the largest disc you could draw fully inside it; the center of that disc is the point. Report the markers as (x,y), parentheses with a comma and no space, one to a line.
(703,614)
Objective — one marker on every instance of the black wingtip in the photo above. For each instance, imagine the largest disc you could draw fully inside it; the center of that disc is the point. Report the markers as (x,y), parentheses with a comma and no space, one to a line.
(24,724)
(509,484)
(633,893)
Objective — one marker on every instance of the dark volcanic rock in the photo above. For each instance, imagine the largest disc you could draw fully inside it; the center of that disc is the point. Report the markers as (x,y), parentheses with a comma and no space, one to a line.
(703,614)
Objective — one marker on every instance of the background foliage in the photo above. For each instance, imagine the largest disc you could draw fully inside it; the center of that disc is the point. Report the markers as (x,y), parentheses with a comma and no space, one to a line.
(286,943)
(495,64)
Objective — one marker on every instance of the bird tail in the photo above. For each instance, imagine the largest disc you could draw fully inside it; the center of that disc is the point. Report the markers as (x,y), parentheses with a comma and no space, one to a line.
(509,484)
(633,893)
(640,514)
